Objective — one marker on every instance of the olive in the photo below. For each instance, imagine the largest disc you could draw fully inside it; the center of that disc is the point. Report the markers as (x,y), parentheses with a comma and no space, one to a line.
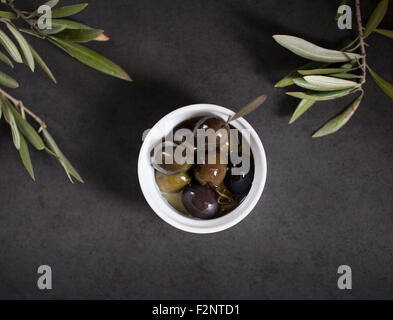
(211,174)
(164,161)
(176,201)
(240,183)
(201,201)
(172,183)
(215,124)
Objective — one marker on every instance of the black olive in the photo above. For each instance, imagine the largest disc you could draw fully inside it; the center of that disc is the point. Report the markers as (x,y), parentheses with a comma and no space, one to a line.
(201,201)
(240,184)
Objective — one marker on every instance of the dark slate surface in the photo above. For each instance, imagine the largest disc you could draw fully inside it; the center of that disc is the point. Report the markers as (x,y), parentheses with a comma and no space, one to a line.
(326,203)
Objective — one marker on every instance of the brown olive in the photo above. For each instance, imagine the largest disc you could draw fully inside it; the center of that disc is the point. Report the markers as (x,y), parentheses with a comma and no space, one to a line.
(211,174)
(219,127)
(172,183)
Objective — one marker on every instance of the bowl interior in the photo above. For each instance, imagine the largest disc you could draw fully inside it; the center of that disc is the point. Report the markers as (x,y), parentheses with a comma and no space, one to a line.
(160,205)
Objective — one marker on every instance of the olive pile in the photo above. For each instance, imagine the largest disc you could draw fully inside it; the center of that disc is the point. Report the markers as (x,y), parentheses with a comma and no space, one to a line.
(203,191)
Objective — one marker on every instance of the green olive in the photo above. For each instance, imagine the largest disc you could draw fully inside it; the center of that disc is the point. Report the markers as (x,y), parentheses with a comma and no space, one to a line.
(176,201)
(172,183)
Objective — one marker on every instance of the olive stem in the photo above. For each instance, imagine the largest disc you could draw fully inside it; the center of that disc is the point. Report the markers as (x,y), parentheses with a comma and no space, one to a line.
(363,63)
(19,104)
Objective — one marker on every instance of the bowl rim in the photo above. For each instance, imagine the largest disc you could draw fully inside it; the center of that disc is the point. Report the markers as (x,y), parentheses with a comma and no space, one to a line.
(158,203)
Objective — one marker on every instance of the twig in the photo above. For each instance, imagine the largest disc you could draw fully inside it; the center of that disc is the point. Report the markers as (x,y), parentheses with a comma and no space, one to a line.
(21,14)
(19,104)
(363,63)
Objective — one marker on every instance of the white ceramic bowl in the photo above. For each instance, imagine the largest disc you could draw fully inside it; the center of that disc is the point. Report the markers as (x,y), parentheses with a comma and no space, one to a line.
(159,204)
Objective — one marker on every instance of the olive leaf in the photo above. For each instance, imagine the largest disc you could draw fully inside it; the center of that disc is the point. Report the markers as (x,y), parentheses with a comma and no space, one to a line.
(302,83)
(25,128)
(80,35)
(10,47)
(346,76)
(9,117)
(68,11)
(330,83)
(340,121)
(69,24)
(325,71)
(8,81)
(376,17)
(54,30)
(42,64)
(303,106)
(386,33)
(90,58)
(25,156)
(382,83)
(252,106)
(7,15)
(25,47)
(69,169)
(6,60)
(50,3)
(320,96)
(288,80)
(313,52)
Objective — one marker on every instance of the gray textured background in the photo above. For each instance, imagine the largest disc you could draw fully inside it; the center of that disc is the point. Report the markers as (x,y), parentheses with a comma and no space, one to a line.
(327,202)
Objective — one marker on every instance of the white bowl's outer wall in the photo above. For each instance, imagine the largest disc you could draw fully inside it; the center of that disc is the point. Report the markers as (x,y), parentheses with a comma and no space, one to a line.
(159,204)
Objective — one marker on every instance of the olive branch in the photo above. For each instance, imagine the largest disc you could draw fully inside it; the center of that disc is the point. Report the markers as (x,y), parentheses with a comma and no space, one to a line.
(333,74)
(67,35)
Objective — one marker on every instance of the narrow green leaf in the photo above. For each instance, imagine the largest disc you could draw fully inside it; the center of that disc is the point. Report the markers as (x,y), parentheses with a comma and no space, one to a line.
(68,11)
(9,117)
(50,3)
(288,80)
(8,81)
(303,106)
(376,17)
(340,121)
(6,60)
(10,47)
(313,52)
(25,128)
(32,33)
(323,71)
(386,33)
(69,169)
(330,83)
(42,64)
(80,35)
(382,83)
(346,76)
(7,15)
(320,96)
(91,58)
(300,82)
(69,24)
(54,30)
(24,45)
(25,156)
